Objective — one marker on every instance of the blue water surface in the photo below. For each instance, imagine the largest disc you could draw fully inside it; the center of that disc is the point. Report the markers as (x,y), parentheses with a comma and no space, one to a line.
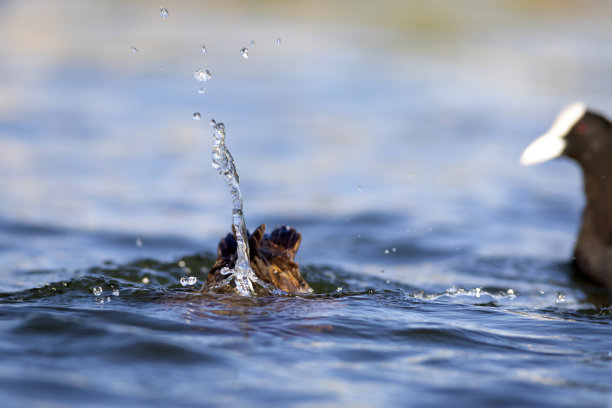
(388,133)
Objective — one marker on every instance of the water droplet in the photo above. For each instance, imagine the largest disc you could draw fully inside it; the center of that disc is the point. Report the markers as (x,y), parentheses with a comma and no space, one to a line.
(213,123)
(560,297)
(251,43)
(192,280)
(245,53)
(278,41)
(393,249)
(181,264)
(164,12)
(511,294)
(387,281)
(134,50)
(139,242)
(359,188)
(116,292)
(97,291)
(477,291)
(339,289)
(202,75)
(145,280)
(203,49)
(197,116)
(183,281)
(386,252)
(382,271)
(202,91)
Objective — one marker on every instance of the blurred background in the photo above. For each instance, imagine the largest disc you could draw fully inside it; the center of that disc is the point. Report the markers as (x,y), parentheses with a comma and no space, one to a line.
(344,113)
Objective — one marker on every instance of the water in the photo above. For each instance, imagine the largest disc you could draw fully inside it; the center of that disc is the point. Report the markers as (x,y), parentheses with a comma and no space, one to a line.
(389,125)
(222,161)
(202,75)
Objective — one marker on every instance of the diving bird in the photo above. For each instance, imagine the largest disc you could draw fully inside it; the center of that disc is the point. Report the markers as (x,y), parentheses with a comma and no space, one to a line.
(586,137)
(272,258)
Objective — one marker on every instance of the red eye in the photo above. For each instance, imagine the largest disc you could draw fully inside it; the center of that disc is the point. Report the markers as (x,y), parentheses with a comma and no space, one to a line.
(581,127)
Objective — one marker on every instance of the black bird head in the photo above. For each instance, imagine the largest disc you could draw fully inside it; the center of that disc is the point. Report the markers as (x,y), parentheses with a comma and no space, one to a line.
(577,133)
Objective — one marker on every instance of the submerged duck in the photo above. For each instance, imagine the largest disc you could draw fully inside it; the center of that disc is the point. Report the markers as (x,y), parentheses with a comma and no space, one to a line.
(586,137)
(272,258)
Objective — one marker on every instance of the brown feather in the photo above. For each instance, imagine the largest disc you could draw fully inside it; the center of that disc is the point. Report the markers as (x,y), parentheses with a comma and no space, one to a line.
(272,258)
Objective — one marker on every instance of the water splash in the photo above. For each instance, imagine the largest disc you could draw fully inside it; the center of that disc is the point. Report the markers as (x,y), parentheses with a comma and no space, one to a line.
(188,280)
(222,160)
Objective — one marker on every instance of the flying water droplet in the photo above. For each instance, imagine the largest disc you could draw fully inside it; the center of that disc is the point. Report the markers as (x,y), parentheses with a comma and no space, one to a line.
(203,49)
(202,91)
(278,41)
(116,292)
(251,44)
(245,53)
(145,280)
(181,264)
(97,291)
(359,188)
(202,75)
(393,249)
(197,116)
(139,242)
(163,12)
(386,252)
(134,50)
